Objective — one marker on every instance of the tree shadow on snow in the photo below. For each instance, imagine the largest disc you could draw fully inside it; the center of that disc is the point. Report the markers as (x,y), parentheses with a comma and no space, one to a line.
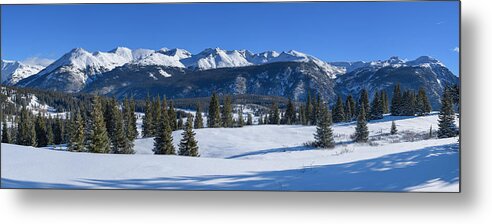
(395,172)
(274,150)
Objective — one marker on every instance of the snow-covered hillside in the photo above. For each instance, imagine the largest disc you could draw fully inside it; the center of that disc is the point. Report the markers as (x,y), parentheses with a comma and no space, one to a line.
(265,157)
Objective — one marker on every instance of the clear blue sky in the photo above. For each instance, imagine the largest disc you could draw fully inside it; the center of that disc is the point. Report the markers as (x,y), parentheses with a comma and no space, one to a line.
(329,31)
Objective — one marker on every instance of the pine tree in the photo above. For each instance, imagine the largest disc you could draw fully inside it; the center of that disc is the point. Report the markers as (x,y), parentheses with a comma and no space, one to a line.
(302,115)
(76,143)
(213,119)
(324,134)
(227,113)
(5,132)
(41,133)
(396,101)
(274,114)
(361,130)
(384,97)
(364,102)
(316,110)
(198,122)
(249,121)
(447,126)
(349,108)
(377,107)
(423,106)
(408,104)
(240,117)
(26,134)
(290,113)
(49,130)
(393,128)
(163,142)
(99,140)
(156,112)
(339,111)
(120,144)
(130,120)
(148,121)
(172,116)
(188,146)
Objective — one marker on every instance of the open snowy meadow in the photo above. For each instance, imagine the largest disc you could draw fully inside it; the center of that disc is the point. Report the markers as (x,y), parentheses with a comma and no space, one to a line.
(259,157)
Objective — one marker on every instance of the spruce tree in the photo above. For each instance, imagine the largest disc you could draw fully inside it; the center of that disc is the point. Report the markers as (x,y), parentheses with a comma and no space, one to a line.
(41,132)
(58,131)
(148,121)
(188,146)
(274,116)
(324,134)
(361,130)
(120,144)
(349,108)
(302,116)
(447,126)
(163,142)
(5,132)
(26,134)
(49,130)
(393,128)
(156,112)
(339,111)
(423,106)
(396,101)
(364,102)
(213,120)
(377,107)
(290,113)
(99,140)
(76,143)
(240,117)
(198,122)
(172,116)
(129,119)
(227,113)
(249,121)
(384,97)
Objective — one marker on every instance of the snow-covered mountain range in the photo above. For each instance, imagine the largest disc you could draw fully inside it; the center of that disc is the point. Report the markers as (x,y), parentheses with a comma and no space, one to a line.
(14,71)
(179,73)
(80,67)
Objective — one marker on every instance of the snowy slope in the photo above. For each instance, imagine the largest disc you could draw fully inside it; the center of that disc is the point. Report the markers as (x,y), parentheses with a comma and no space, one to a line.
(14,71)
(266,157)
